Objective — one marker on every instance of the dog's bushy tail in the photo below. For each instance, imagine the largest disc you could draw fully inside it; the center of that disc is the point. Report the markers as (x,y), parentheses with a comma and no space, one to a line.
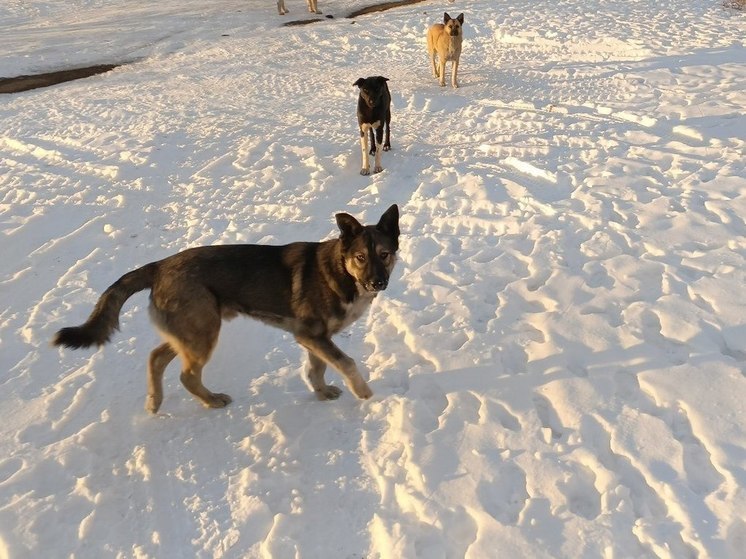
(104,319)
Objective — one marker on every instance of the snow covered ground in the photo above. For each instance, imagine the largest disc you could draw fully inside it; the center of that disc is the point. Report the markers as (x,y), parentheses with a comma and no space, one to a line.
(558,364)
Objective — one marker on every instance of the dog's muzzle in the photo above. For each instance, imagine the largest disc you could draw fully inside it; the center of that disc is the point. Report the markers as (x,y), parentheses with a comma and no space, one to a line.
(376,285)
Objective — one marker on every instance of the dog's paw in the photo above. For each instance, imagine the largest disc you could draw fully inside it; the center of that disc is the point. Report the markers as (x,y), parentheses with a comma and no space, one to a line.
(218,401)
(152,404)
(363,391)
(365,171)
(386,147)
(372,151)
(377,169)
(329,392)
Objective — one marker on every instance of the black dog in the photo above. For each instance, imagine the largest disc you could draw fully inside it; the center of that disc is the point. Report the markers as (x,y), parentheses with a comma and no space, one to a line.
(373,113)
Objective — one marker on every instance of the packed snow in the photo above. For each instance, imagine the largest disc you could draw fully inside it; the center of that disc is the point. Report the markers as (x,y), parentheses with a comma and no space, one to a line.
(558,363)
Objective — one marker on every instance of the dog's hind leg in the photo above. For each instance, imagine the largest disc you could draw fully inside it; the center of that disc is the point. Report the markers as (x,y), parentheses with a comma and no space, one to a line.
(189,320)
(312,7)
(327,351)
(160,357)
(316,369)
(191,378)
(434,63)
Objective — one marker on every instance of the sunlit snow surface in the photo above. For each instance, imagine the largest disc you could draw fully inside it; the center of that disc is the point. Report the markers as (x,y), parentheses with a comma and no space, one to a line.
(558,363)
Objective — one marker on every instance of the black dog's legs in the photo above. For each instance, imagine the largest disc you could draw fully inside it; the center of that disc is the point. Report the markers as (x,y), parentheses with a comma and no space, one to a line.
(372,141)
(387,141)
(379,135)
(377,168)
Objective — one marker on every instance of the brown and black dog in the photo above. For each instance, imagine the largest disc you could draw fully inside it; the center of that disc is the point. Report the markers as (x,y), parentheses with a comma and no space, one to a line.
(311,289)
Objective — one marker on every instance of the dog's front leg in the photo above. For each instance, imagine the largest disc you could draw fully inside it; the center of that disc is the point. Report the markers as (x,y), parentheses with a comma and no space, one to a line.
(316,370)
(387,139)
(327,351)
(442,71)
(379,141)
(365,169)
(454,72)
(281,7)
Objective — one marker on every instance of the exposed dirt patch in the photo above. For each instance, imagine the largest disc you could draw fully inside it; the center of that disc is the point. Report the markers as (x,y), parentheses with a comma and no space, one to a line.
(297,22)
(25,83)
(382,7)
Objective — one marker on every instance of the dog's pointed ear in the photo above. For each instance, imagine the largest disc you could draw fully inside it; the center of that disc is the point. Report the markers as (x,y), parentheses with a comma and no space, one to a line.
(348,225)
(389,222)
(383,79)
(359,82)
(460,19)
(446,17)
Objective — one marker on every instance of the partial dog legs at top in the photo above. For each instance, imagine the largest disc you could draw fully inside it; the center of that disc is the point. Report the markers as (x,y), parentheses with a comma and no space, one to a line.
(312,7)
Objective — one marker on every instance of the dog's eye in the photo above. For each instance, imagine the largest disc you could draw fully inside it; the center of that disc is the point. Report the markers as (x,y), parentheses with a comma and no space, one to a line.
(360,258)
(384,255)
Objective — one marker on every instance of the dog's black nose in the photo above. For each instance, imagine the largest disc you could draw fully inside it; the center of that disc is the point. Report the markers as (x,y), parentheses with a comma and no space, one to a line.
(379,285)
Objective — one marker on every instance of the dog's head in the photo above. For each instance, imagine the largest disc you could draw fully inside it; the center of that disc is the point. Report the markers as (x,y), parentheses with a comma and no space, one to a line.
(453,26)
(369,251)
(372,89)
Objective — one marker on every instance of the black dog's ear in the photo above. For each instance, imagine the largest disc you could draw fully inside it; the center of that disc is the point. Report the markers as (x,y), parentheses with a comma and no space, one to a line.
(446,17)
(348,225)
(383,79)
(359,82)
(389,222)
(460,19)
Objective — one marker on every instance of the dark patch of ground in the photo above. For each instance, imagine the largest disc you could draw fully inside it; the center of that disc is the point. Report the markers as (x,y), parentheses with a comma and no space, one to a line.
(25,83)
(382,7)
